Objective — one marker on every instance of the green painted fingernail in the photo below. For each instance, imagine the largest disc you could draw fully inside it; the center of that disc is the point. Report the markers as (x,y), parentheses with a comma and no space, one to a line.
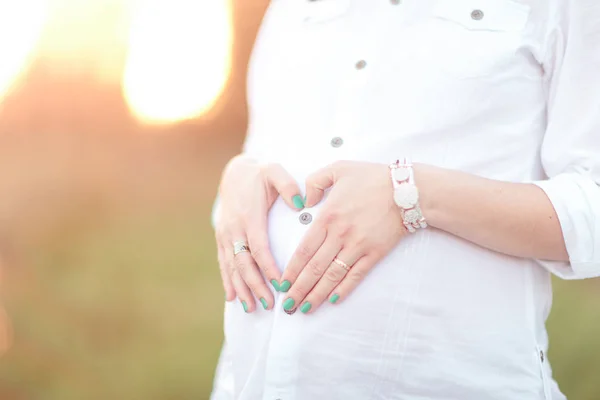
(275,285)
(288,304)
(334,298)
(298,202)
(264,303)
(305,307)
(285,286)
(245,306)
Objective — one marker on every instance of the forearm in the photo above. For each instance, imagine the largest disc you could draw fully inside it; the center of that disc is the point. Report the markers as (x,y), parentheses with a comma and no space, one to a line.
(512,218)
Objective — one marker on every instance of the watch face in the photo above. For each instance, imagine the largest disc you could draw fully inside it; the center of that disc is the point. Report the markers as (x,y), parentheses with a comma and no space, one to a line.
(401,174)
(406,196)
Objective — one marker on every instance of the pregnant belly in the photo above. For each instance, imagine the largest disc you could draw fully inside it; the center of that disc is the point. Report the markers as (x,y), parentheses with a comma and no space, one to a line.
(436,308)
(287,227)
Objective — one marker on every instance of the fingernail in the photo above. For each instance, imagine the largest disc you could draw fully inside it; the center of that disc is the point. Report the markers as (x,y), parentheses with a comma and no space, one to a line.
(285,286)
(305,307)
(264,303)
(298,202)
(245,306)
(288,304)
(334,298)
(275,285)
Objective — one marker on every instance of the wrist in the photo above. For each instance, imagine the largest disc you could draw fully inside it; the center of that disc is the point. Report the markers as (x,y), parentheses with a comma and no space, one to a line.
(429,179)
(241,159)
(237,169)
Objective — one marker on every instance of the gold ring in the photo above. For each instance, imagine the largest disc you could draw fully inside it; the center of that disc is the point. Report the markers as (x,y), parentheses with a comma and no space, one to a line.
(341,264)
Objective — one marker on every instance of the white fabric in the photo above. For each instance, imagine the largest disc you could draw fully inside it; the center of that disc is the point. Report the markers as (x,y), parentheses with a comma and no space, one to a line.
(513,96)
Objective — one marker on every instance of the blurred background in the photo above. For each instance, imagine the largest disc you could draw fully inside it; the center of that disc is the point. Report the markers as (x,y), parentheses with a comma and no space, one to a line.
(116,118)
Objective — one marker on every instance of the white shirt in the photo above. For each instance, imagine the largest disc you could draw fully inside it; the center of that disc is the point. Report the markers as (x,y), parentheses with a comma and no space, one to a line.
(506,89)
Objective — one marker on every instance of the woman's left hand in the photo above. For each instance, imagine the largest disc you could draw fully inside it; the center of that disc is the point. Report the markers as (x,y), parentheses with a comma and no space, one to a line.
(359,224)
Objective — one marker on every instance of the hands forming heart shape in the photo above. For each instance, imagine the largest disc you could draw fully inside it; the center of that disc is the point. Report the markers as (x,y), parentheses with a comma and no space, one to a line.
(358,225)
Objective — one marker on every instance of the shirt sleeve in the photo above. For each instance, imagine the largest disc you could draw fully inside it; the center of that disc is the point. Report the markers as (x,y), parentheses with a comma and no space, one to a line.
(215,211)
(571,149)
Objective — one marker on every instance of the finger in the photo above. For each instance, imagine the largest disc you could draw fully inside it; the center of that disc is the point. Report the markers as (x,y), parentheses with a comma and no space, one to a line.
(317,183)
(287,187)
(241,289)
(245,265)
(306,250)
(356,275)
(332,277)
(258,241)
(225,278)
(311,274)
(248,270)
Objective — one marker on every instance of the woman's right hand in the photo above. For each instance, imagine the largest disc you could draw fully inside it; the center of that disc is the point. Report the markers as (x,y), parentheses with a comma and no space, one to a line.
(247,191)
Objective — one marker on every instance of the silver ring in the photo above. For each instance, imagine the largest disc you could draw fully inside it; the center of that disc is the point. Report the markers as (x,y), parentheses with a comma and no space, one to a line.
(341,264)
(239,247)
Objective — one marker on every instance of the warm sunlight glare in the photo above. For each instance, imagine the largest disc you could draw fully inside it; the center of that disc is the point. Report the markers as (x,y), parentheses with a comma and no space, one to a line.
(21,23)
(86,39)
(179,58)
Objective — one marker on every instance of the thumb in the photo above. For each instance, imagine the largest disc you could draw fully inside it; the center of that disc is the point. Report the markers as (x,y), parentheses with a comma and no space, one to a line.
(317,183)
(284,184)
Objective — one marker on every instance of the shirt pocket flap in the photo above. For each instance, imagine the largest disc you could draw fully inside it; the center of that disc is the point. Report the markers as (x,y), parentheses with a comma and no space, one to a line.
(485,15)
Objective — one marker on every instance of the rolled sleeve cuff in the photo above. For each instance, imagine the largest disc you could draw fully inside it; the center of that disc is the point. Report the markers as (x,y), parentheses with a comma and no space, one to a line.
(576,200)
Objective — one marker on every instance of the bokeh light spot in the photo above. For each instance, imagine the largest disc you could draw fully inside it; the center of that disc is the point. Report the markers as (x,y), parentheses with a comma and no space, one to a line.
(21,24)
(179,58)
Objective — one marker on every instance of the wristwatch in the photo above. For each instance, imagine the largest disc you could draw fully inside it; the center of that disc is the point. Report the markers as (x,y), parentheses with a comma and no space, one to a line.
(406,195)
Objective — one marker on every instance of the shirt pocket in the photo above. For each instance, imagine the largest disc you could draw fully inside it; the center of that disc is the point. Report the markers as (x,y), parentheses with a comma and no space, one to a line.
(478,38)
(316,12)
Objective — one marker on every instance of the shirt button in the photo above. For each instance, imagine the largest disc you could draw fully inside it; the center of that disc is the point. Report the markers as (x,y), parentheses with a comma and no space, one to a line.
(337,142)
(477,15)
(305,218)
(361,64)
(541,355)
(395,2)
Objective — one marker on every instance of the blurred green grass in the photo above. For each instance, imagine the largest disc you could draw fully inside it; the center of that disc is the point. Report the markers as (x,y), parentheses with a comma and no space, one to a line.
(131,308)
